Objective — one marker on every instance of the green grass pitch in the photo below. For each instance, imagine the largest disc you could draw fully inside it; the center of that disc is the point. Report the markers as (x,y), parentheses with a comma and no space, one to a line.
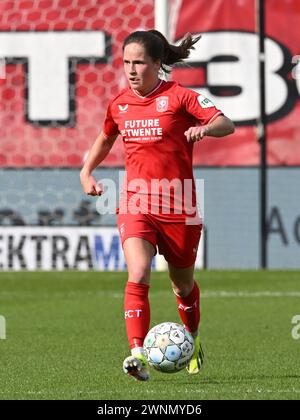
(65,337)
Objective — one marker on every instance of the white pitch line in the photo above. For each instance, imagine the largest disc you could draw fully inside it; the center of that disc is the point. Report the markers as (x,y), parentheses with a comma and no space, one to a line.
(216,294)
(135,392)
(119,295)
(263,293)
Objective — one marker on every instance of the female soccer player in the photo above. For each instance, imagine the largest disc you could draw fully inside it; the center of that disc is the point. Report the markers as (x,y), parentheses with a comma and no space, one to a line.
(158,121)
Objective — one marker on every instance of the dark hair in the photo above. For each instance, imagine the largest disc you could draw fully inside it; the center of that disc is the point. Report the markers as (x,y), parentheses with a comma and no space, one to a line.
(158,47)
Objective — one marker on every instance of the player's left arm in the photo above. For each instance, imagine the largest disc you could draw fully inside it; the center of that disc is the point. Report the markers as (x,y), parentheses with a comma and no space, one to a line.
(221,126)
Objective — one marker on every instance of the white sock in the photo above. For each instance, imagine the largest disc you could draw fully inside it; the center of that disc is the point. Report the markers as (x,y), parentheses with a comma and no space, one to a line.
(137,351)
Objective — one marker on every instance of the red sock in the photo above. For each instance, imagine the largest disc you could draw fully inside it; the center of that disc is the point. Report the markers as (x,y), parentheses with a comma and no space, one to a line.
(137,313)
(189,309)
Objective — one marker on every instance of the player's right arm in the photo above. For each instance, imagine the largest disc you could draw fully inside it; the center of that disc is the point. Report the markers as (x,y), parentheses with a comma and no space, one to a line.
(97,154)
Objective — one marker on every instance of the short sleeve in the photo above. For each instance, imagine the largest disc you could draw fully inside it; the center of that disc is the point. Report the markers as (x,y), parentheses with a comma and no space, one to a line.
(199,106)
(110,127)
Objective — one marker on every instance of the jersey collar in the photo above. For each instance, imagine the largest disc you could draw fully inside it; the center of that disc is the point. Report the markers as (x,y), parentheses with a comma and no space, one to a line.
(151,92)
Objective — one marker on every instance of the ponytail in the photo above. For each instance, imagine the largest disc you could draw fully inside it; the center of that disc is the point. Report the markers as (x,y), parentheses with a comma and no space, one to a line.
(158,47)
(175,53)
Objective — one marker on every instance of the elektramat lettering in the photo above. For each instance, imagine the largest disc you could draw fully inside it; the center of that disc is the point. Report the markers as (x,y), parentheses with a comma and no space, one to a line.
(144,130)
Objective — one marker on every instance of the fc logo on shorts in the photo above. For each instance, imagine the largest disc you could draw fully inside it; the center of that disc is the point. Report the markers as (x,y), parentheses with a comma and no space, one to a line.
(122,229)
(162,104)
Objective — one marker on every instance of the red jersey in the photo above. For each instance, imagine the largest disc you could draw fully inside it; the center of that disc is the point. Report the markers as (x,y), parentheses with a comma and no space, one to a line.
(158,156)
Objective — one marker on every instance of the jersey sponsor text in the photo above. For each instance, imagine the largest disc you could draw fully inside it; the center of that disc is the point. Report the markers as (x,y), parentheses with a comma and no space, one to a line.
(136,130)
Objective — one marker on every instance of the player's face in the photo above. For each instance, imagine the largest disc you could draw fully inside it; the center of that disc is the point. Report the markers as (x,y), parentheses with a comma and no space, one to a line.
(141,71)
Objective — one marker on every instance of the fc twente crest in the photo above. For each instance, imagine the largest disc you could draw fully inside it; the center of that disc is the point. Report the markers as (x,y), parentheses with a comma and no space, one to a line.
(162,104)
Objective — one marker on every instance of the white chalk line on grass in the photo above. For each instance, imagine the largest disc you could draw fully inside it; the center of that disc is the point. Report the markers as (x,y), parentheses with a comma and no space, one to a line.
(161,392)
(118,295)
(262,293)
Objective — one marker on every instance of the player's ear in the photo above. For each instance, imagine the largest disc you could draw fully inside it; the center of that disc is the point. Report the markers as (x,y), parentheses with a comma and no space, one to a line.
(157,64)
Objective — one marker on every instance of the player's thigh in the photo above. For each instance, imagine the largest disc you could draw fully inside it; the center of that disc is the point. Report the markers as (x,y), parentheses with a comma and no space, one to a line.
(138,254)
(182,279)
(178,243)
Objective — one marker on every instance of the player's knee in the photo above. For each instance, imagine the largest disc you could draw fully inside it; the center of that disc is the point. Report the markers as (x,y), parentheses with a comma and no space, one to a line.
(181,291)
(139,275)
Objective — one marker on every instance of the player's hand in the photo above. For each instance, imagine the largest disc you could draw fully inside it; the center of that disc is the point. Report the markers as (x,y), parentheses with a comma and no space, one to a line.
(90,186)
(196,133)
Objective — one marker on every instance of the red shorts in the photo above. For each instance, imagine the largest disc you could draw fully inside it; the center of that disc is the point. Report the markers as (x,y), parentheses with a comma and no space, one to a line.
(177,242)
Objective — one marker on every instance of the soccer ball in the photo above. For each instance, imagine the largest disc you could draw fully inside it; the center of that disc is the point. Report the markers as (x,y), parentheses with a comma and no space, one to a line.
(169,347)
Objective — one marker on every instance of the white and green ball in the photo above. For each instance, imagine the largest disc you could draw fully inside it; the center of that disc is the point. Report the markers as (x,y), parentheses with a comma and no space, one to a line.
(169,347)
